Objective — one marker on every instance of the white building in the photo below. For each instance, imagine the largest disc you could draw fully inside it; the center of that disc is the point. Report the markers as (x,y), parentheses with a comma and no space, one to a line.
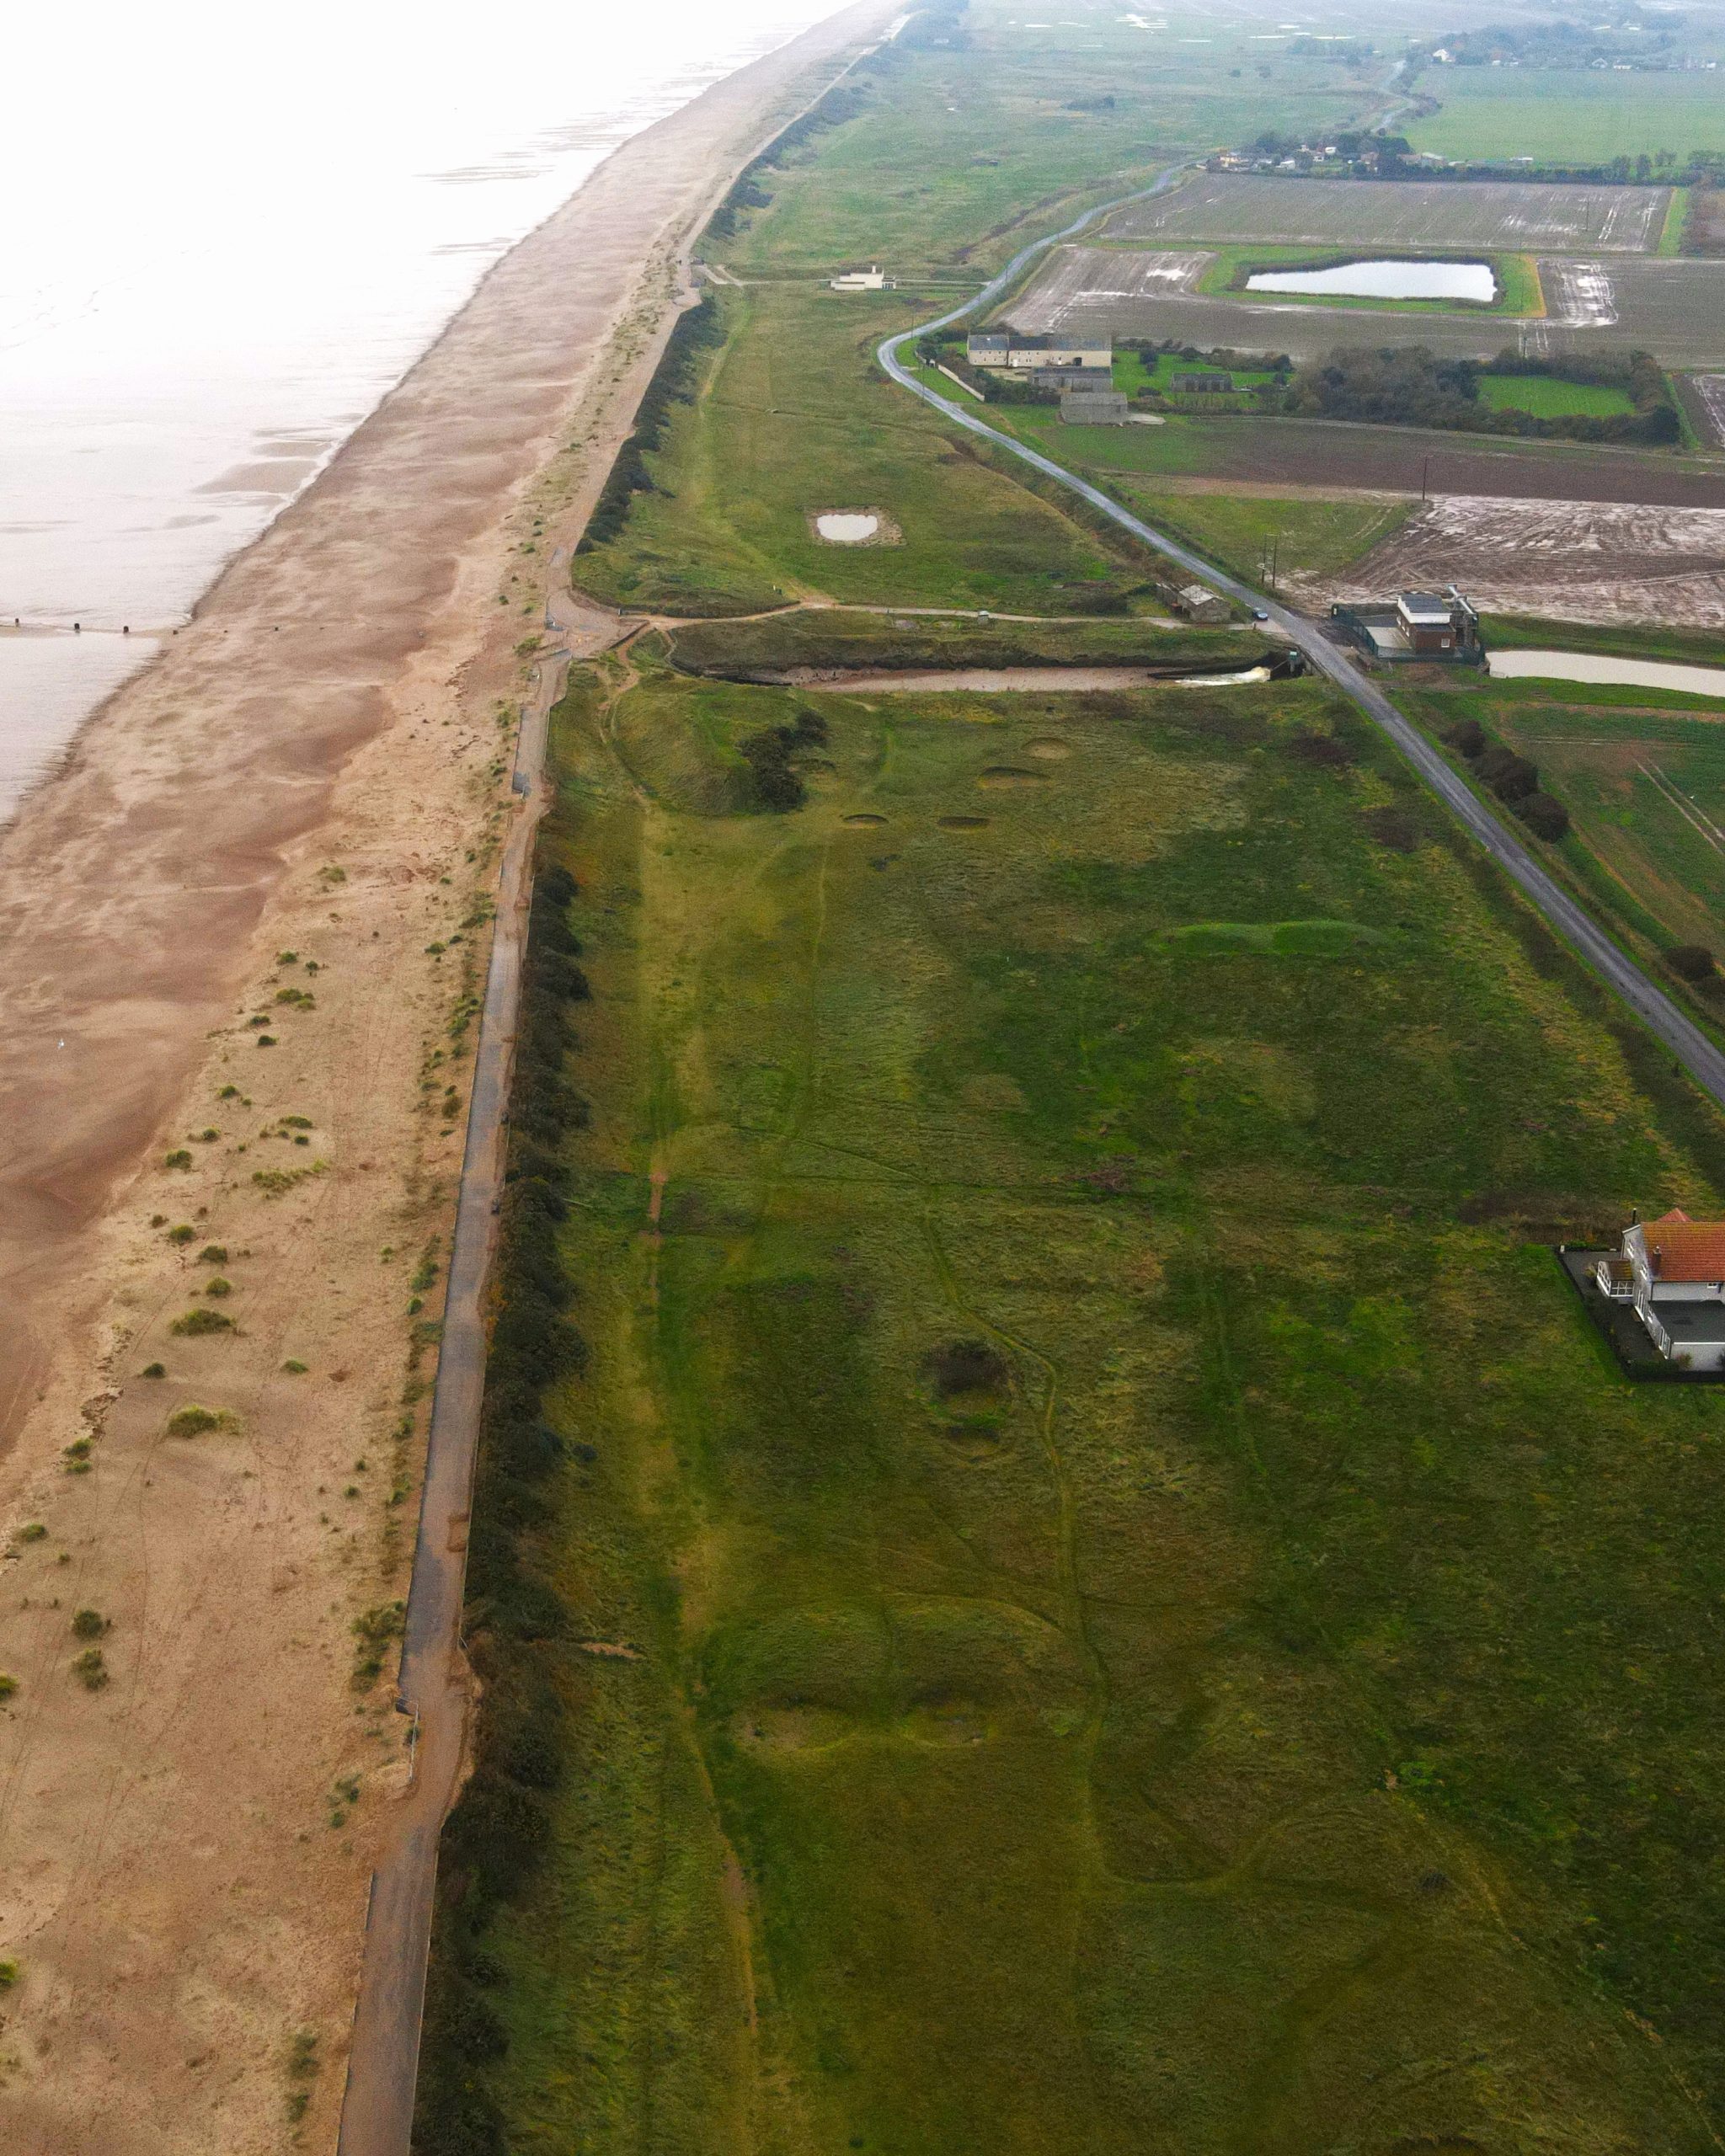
(871,280)
(1673,1271)
(1046,352)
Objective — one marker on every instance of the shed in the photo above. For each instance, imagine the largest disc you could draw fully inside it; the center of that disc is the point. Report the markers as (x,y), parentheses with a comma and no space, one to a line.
(1199,603)
(1095,407)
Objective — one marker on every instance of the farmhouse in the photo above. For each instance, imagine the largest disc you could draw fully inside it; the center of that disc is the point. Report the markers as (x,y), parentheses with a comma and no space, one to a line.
(1418,625)
(1673,1271)
(1047,358)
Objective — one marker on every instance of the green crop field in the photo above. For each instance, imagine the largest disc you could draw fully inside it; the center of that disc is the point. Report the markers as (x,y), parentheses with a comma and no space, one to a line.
(1550,398)
(1566,117)
(1132,1613)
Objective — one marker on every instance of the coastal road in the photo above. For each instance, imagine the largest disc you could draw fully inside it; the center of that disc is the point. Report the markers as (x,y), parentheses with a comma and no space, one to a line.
(1688,1043)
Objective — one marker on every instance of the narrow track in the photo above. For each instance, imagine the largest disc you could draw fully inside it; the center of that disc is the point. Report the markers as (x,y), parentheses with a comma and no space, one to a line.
(1693,1049)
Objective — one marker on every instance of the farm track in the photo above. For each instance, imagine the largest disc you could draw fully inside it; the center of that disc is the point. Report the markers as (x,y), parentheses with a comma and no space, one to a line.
(1694,1050)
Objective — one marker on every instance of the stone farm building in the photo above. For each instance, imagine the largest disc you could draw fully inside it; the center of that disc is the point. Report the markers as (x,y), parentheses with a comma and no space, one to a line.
(1086,362)
(1673,1271)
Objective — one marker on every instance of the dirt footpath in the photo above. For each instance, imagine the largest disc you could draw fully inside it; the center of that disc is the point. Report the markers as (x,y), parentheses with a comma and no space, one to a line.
(1566,561)
(239,940)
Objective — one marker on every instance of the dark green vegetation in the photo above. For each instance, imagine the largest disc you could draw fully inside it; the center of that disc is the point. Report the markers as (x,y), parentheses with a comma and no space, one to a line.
(1095,1591)
(827,639)
(1627,400)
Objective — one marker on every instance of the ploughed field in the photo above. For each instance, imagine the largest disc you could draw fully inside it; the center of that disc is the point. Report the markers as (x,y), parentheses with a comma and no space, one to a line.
(1562,560)
(1098,1592)
(1434,214)
(1673,308)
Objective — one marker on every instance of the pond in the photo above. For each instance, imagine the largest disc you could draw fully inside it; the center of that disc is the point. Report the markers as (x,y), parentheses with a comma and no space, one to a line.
(1385,280)
(1596,666)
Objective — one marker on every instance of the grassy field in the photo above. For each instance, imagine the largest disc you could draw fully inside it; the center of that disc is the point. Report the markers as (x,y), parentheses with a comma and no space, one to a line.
(795,417)
(1550,398)
(1132,1615)
(827,637)
(960,155)
(1239,531)
(1643,775)
(1133,375)
(1561,117)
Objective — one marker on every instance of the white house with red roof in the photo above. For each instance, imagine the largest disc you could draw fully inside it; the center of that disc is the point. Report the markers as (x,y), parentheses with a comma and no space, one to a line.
(1672,1270)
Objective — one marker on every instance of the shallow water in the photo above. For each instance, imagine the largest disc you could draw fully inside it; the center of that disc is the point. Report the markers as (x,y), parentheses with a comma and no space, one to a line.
(1387,279)
(1593,666)
(227,239)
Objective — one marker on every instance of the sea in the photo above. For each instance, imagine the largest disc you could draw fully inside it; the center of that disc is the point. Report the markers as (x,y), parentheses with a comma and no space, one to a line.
(228,233)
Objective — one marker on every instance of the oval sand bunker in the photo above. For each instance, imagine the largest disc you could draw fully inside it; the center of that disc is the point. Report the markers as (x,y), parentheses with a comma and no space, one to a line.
(998,775)
(847,527)
(1051,752)
(858,823)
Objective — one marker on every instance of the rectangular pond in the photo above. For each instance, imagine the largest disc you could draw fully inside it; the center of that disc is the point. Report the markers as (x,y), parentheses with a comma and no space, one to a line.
(1389,277)
(1599,666)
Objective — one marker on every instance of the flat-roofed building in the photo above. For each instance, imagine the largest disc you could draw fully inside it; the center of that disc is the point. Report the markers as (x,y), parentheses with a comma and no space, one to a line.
(1094,408)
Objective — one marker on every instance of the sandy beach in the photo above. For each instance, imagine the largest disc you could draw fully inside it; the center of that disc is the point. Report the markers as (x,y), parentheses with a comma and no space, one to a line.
(285,832)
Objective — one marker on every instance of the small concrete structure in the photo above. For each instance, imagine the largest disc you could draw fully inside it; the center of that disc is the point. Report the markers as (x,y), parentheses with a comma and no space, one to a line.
(1091,381)
(1106,408)
(871,280)
(1199,603)
(1202,385)
(1672,1271)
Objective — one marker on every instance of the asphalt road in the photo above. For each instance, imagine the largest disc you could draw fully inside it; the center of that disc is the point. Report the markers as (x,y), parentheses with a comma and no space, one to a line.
(1687,1043)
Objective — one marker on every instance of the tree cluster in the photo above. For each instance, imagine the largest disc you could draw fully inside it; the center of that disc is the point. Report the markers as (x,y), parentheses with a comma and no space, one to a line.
(1409,386)
(772,774)
(1511,777)
(499,1832)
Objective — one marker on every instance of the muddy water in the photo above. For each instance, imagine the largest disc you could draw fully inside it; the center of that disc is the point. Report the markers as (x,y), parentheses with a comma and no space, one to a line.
(1007,681)
(1595,666)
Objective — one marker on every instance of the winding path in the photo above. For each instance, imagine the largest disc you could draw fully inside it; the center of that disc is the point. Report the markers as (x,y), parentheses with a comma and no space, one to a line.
(1693,1049)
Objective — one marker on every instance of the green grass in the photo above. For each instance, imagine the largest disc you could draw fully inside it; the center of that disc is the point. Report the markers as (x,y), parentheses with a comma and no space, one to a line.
(795,417)
(1279,1712)
(1551,399)
(1134,376)
(1676,216)
(1238,531)
(828,637)
(1567,118)
(1645,789)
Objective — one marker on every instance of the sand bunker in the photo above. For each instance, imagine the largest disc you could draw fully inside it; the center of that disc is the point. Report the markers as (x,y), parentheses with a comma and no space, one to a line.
(854,527)
(861,823)
(1051,752)
(1002,775)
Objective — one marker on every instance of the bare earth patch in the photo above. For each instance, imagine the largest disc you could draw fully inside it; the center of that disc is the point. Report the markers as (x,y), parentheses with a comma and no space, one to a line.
(1566,561)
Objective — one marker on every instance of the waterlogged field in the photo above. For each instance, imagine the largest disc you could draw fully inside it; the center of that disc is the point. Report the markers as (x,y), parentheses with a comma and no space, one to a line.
(1101,1589)
(1673,308)
(1214,207)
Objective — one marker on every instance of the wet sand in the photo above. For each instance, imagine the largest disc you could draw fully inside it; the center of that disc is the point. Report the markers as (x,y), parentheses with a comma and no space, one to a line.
(317,765)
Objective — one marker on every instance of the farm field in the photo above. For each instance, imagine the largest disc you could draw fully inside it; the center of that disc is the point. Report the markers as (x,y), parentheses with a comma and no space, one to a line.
(1340,455)
(1433,215)
(1312,539)
(1559,560)
(1673,307)
(1559,116)
(1552,398)
(1101,1515)
(1645,789)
